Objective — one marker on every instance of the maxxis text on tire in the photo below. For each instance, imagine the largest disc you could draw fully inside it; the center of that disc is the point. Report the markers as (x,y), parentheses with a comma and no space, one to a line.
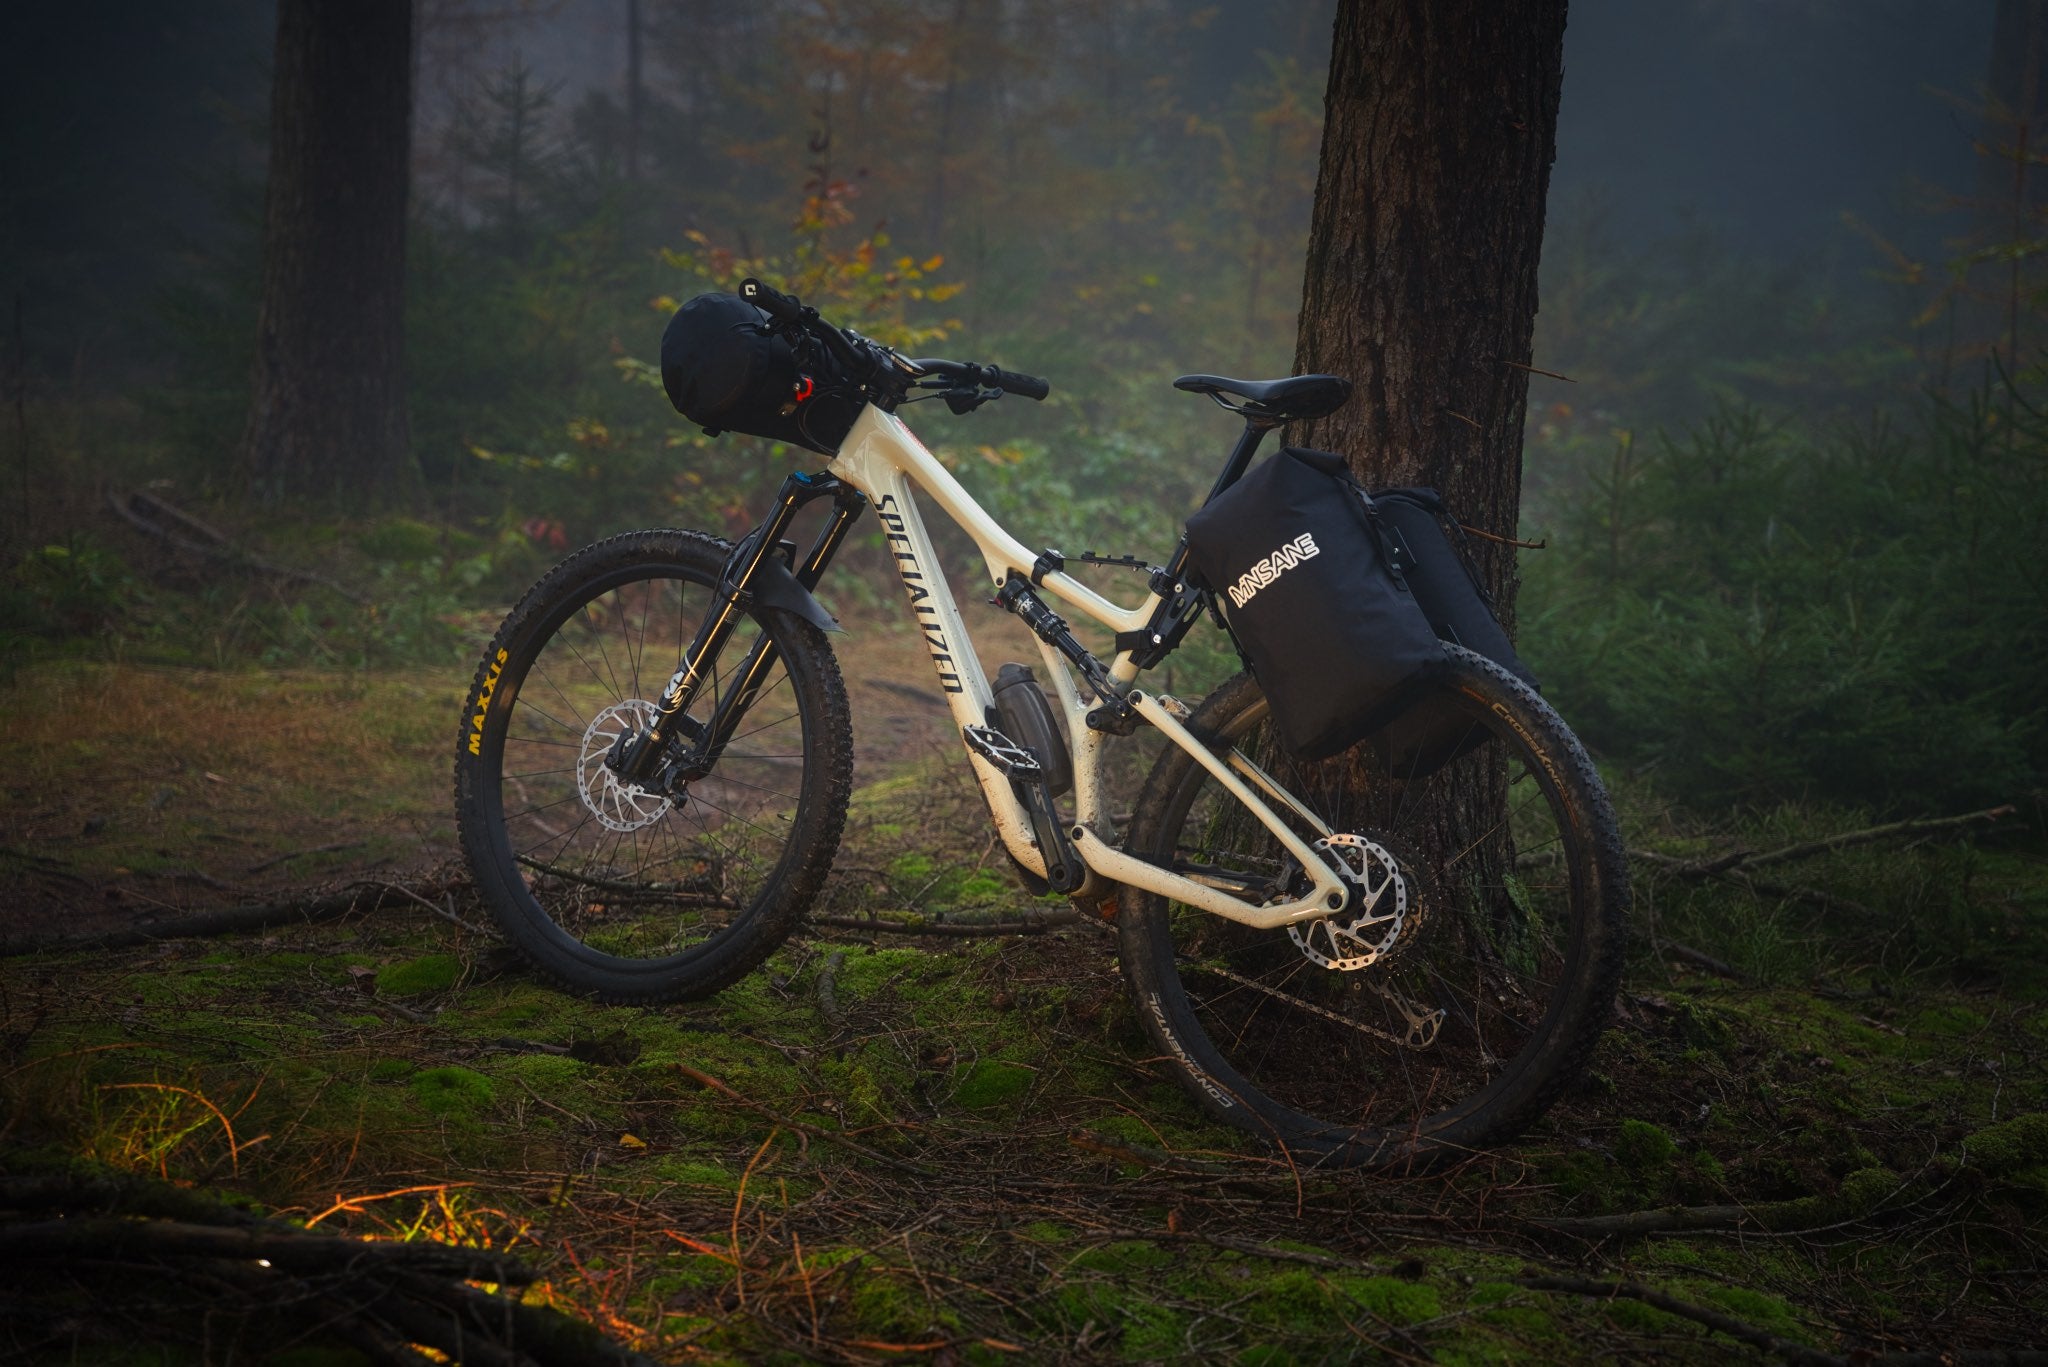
(613,892)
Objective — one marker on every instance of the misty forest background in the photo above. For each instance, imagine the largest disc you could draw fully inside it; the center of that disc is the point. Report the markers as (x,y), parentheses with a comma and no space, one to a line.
(1786,458)
(1789,499)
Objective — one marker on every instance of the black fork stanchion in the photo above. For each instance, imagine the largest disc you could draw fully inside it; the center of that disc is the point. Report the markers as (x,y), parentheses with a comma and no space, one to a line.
(754,670)
(636,756)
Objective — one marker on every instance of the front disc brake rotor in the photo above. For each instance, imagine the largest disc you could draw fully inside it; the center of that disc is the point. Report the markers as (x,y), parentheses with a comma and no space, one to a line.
(618,806)
(1382,901)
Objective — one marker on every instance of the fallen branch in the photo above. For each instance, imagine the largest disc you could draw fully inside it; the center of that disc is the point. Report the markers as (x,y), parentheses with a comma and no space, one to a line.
(1713,1319)
(445,913)
(1029,923)
(1664,1219)
(1126,1151)
(281,1246)
(133,507)
(1767,1342)
(1896,830)
(1784,892)
(1245,1246)
(1736,860)
(1703,961)
(363,896)
(379,1295)
(111,1193)
(1733,866)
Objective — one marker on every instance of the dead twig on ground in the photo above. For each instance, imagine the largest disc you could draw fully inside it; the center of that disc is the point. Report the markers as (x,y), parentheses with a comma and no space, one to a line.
(828,995)
(1734,865)
(334,848)
(703,1079)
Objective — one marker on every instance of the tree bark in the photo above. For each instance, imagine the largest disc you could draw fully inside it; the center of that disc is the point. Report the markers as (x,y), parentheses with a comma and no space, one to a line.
(1440,126)
(1439,130)
(2010,193)
(327,418)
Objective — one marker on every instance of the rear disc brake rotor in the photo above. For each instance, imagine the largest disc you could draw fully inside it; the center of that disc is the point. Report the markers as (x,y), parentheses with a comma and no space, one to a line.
(1384,903)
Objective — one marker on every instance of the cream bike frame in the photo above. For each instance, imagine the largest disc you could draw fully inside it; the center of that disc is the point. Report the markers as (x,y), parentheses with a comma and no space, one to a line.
(884,461)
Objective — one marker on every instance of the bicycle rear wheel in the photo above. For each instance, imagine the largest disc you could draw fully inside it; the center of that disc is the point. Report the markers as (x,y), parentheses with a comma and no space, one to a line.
(613,891)
(1454,1011)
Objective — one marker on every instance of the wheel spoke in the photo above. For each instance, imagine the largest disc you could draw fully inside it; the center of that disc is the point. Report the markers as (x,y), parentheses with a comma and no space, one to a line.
(646,885)
(1477,906)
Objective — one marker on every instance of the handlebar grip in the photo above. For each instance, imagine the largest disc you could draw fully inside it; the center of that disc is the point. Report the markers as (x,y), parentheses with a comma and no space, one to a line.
(771,301)
(1026,386)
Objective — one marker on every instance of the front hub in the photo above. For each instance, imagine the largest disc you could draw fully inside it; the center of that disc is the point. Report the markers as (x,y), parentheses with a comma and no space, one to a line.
(617,804)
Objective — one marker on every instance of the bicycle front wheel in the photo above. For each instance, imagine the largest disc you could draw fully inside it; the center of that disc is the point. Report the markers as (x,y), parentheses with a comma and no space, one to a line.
(613,891)
(1465,987)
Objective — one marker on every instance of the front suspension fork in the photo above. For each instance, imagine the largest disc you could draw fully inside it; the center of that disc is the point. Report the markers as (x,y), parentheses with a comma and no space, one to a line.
(643,757)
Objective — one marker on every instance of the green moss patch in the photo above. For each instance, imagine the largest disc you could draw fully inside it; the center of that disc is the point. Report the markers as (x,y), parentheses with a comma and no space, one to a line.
(428,973)
(453,1091)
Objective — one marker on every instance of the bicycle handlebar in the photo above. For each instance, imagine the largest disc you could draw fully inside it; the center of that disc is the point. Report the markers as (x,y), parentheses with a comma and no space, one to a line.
(968,372)
(870,359)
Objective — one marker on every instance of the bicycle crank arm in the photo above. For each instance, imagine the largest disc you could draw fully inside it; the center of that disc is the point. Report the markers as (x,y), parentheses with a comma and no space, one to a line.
(1064,870)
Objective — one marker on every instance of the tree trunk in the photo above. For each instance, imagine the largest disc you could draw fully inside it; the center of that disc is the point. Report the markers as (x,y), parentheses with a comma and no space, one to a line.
(633,90)
(1440,126)
(2010,193)
(327,419)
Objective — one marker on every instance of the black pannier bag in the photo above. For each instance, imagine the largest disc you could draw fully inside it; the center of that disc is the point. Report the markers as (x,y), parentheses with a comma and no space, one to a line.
(1429,546)
(725,369)
(1294,556)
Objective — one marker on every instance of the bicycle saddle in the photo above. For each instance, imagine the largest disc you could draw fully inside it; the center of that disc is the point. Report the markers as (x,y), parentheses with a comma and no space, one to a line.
(1288,400)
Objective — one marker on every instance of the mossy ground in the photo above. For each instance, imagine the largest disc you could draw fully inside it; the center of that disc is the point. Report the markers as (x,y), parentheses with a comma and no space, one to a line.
(906,1183)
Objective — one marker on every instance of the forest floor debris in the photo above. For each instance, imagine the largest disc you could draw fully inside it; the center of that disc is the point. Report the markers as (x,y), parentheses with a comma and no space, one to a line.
(884,1147)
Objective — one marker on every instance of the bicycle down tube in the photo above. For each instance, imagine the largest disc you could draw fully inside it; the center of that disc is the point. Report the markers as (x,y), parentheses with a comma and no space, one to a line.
(883,460)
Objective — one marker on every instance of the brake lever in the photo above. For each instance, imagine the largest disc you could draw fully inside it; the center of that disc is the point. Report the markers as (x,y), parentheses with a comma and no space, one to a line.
(963,401)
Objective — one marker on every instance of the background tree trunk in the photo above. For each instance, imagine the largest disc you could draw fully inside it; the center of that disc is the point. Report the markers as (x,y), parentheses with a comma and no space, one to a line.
(1439,130)
(327,418)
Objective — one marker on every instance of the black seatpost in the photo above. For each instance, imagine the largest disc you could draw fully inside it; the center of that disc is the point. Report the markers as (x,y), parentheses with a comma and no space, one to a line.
(1255,430)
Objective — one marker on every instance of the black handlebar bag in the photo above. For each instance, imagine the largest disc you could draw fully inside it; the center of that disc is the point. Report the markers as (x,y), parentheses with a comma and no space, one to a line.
(728,369)
(1298,566)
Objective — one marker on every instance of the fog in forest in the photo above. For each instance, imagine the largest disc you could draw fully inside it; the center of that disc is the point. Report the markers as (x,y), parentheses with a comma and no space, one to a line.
(132,135)
(1342,998)
(1782,240)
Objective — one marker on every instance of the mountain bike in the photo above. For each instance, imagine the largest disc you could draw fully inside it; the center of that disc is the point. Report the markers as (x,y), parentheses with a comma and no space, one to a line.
(1360,962)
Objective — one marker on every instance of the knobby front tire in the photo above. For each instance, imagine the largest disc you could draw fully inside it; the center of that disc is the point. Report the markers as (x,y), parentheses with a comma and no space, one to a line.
(1482,1007)
(616,893)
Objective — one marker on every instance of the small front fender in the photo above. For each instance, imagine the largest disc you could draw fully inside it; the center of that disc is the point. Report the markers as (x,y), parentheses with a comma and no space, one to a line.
(775,587)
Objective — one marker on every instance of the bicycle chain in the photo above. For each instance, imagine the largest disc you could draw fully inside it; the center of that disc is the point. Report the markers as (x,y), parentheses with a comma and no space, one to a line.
(1418,1022)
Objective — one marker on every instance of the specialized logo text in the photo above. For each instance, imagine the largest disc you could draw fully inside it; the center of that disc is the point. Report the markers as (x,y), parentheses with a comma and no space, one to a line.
(913,584)
(1264,572)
